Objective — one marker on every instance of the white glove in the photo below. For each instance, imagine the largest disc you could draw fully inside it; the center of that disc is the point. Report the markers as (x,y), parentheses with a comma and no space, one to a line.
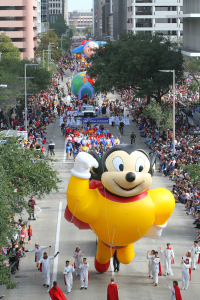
(155,231)
(82,165)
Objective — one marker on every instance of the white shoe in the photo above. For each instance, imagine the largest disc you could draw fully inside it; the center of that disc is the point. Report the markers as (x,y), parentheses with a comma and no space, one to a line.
(182,288)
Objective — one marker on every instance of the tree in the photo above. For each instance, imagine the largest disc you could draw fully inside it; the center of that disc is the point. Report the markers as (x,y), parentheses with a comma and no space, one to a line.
(194,173)
(59,26)
(134,61)
(7,48)
(73,29)
(192,66)
(66,43)
(88,30)
(163,117)
(10,71)
(193,87)
(44,39)
(23,174)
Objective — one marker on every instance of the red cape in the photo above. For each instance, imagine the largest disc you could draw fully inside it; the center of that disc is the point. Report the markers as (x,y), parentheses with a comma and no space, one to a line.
(160,270)
(112,292)
(56,294)
(177,293)
(199,259)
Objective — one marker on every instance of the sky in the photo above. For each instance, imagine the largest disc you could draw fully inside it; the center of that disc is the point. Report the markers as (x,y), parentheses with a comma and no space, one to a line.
(80,4)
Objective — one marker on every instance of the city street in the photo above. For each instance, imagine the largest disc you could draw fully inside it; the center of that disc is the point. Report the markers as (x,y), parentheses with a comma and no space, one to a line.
(50,228)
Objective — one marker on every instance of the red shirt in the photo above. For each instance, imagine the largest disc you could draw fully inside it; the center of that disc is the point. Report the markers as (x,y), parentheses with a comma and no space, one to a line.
(31,203)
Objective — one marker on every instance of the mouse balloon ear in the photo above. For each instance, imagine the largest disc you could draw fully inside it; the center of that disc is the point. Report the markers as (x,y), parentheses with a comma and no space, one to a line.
(152,157)
(95,174)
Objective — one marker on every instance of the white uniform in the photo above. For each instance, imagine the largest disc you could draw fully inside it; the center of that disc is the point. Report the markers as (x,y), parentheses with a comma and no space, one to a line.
(127,121)
(61,120)
(67,271)
(150,256)
(173,296)
(185,275)
(73,123)
(195,250)
(168,256)
(68,121)
(117,120)
(78,122)
(155,269)
(38,252)
(84,274)
(46,268)
(78,260)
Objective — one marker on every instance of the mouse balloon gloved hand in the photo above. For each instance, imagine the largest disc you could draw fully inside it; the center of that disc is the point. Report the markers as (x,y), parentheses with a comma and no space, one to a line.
(82,165)
(155,231)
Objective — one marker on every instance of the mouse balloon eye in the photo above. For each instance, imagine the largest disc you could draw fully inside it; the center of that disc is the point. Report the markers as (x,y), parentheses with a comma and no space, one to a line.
(139,166)
(118,164)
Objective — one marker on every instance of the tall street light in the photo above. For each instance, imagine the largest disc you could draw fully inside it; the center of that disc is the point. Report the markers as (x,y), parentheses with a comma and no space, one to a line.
(172,71)
(62,39)
(43,55)
(26,95)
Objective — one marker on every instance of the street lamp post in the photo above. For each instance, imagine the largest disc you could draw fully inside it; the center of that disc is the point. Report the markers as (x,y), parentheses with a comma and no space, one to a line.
(62,39)
(26,95)
(49,53)
(43,55)
(174,115)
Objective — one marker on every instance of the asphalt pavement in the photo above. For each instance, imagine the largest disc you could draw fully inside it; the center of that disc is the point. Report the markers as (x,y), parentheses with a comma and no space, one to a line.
(50,228)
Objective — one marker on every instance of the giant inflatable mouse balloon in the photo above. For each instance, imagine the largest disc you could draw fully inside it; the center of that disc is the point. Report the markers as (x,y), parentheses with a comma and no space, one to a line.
(118,206)
(87,48)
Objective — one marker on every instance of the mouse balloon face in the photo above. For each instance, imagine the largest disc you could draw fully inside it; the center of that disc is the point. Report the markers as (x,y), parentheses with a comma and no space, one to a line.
(88,48)
(125,172)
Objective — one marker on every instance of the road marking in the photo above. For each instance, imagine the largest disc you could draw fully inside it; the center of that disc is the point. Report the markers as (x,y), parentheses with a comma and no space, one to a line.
(111,266)
(64,157)
(55,266)
(40,210)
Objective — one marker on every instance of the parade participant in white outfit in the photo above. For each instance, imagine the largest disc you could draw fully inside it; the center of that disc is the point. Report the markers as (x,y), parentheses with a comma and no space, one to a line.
(195,250)
(175,291)
(73,123)
(45,261)
(185,274)
(61,120)
(127,121)
(38,252)
(78,122)
(155,268)
(117,120)
(150,258)
(169,257)
(68,276)
(84,274)
(78,259)
(188,256)
(68,121)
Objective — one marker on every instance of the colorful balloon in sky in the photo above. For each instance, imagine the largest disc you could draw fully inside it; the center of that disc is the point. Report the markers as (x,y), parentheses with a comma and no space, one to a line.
(87,48)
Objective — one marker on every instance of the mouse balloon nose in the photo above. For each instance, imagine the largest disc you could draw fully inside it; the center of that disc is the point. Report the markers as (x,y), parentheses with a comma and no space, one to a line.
(130,177)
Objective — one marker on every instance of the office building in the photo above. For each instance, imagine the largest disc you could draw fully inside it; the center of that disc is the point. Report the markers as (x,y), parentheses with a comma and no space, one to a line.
(119,17)
(152,17)
(39,25)
(97,18)
(80,18)
(65,9)
(44,15)
(106,19)
(18,19)
(191,27)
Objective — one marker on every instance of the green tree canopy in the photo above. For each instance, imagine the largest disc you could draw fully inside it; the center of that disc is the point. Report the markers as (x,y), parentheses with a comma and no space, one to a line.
(59,26)
(10,71)
(44,39)
(192,66)
(134,61)
(7,48)
(23,174)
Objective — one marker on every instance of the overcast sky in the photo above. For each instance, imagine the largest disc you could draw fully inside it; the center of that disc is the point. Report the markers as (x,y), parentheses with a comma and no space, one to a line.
(80,4)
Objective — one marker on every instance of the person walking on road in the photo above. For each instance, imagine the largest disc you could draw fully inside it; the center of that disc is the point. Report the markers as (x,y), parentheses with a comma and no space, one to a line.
(45,268)
(175,291)
(56,293)
(133,138)
(185,274)
(84,274)
(51,148)
(78,259)
(169,259)
(112,291)
(31,205)
(68,277)
(38,252)
(155,268)
(195,250)
(116,262)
